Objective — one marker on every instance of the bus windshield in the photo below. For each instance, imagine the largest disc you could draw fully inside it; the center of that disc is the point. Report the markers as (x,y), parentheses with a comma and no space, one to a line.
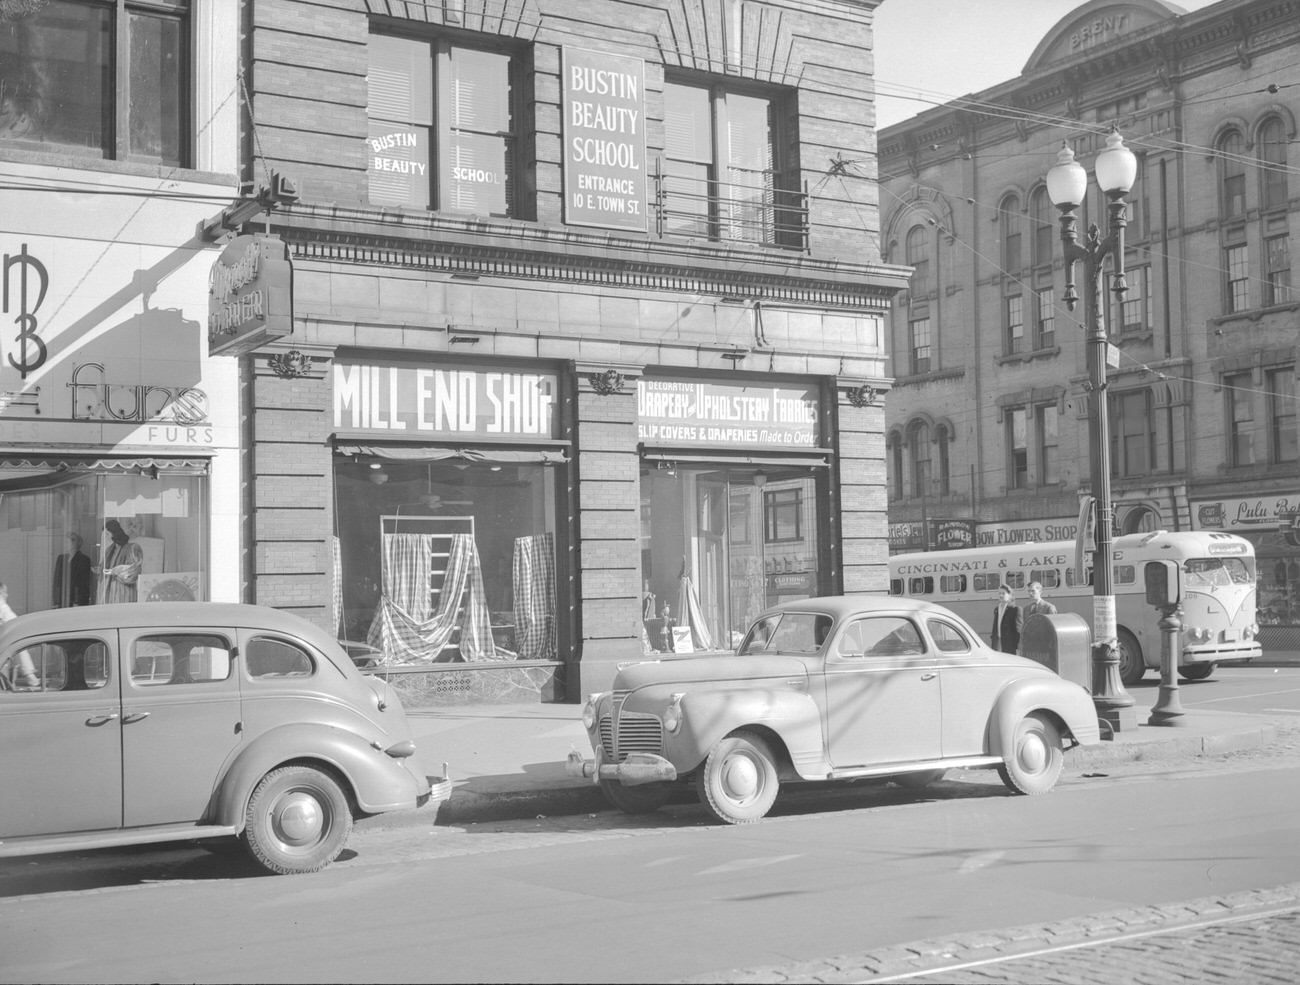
(1218,571)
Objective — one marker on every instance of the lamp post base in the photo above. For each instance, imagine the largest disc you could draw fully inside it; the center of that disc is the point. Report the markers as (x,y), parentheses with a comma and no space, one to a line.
(1167,711)
(1114,705)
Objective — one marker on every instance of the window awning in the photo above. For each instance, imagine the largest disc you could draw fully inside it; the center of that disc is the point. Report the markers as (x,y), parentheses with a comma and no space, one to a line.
(45,470)
(424,453)
(813,458)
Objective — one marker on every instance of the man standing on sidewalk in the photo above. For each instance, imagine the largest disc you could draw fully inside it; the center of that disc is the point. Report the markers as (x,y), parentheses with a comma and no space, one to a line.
(1036,606)
(1007,621)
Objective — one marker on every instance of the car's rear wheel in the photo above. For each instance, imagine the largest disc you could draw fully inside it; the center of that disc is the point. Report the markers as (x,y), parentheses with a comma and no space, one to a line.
(1131,665)
(738,781)
(298,820)
(919,780)
(1034,757)
(645,798)
(1196,672)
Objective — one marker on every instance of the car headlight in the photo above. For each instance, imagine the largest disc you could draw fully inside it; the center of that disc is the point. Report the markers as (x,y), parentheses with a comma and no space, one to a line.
(673,713)
(589,710)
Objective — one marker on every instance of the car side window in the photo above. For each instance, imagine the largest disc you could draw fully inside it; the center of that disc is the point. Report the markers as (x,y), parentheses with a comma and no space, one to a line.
(801,632)
(57,665)
(850,642)
(265,657)
(180,658)
(947,637)
(890,636)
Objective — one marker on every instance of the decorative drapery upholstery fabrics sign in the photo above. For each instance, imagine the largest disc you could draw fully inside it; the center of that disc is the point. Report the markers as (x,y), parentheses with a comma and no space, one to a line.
(604,140)
(689,412)
(422,401)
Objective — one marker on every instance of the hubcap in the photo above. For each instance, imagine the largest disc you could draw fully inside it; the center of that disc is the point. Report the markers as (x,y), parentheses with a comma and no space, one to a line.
(1033,754)
(298,819)
(739,778)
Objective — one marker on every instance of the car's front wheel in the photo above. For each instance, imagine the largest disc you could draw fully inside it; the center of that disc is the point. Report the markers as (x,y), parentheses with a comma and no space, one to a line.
(738,781)
(298,820)
(1033,759)
(645,798)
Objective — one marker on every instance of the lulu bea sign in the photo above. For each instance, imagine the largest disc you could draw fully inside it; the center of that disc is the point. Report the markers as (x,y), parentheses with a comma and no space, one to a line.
(250,295)
(420,401)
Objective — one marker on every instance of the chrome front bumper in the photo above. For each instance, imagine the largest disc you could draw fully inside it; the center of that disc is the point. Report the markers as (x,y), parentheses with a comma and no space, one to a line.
(637,768)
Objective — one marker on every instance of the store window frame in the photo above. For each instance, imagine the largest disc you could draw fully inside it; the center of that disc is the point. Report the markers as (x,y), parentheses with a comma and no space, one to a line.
(133,110)
(432,114)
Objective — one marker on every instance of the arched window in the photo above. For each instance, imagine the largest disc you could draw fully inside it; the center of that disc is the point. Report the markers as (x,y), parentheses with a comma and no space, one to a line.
(895,467)
(942,479)
(1272,160)
(918,257)
(920,448)
(1041,218)
(1232,174)
(1009,216)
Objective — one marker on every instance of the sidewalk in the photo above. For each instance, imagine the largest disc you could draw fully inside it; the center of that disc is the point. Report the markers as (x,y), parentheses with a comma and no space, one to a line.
(507,761)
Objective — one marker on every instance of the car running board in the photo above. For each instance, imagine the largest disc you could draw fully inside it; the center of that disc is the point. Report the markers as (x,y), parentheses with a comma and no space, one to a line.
(966,762)
(84,840)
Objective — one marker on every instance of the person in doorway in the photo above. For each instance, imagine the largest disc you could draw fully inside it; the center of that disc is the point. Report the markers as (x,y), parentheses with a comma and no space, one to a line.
(72,576)
(21,667)
(1036,606)
(1007,621)
(121,566)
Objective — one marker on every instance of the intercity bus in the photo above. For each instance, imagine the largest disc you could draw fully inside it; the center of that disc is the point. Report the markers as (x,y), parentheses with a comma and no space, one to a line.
(1218,603)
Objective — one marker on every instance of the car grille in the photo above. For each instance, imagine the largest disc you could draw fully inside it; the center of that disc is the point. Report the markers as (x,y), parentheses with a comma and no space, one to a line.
(635,733)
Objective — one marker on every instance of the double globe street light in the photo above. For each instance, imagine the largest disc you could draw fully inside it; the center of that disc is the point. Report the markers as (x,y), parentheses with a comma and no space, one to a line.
(1067,184)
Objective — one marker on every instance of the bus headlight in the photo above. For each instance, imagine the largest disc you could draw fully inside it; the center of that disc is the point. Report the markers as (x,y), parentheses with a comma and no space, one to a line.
(673,714)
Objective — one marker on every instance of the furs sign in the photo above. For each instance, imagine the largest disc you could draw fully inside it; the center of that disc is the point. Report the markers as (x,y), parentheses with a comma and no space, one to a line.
(250,295)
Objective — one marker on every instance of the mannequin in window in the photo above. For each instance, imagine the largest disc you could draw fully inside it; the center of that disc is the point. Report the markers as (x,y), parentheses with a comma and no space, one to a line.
(72,576)
(121,566)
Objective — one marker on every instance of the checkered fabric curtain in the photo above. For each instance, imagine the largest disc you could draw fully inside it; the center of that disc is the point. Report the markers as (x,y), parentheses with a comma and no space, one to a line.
(534,588)
(336,570)
(408,627)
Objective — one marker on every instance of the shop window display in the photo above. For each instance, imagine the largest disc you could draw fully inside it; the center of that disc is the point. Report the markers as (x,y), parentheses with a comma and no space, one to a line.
(719,545)
(447,560)
(70,537)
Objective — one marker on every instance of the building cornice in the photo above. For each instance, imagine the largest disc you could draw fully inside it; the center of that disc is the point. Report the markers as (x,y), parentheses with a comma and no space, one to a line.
(501,250)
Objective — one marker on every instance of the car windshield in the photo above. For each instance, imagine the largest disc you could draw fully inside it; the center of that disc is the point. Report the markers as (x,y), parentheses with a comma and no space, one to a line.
(787,632)
(1217,571)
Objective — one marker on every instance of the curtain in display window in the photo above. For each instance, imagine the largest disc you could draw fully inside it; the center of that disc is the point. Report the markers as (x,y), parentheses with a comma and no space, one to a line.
(408,626)
(336,572)
(534,588)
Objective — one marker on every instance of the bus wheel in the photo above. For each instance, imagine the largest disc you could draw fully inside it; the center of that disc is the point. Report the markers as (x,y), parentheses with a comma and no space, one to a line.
(1131,666)
(1196,672)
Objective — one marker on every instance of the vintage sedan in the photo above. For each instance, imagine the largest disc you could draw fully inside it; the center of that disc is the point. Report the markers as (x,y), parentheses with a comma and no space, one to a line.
(172,721)
(829,689)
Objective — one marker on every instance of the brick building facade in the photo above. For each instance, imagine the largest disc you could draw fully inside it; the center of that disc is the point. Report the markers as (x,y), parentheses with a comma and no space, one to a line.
(988,421)
(588,353)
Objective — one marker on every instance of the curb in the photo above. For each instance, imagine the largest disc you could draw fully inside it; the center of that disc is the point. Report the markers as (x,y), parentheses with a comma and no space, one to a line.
(469,806)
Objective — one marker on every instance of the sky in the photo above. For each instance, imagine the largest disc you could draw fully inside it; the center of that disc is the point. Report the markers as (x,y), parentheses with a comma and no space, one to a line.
(929,51)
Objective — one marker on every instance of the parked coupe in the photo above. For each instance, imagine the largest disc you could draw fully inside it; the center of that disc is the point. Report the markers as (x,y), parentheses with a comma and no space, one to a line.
(827,689)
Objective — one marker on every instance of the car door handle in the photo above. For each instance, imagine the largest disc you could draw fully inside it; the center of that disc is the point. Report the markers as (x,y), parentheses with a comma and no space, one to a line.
(134,716)
(929,676)
(96,720)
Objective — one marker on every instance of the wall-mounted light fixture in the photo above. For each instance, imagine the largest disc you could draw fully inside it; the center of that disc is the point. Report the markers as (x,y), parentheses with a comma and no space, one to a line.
(668,468)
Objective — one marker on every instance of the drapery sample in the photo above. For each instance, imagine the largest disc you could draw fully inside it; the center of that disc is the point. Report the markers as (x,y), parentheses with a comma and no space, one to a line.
(688,609)
(336,596)
(407,627)
(534,587)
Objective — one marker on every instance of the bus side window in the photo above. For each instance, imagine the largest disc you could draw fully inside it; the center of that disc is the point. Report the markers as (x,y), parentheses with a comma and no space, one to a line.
(1125,574)
(921,586)
(1016,579)
(952,584)
(987,583)
(1049,577)
(895,586)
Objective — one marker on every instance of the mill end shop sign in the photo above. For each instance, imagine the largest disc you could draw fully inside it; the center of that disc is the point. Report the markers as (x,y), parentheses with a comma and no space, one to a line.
(250,295)
(604,140)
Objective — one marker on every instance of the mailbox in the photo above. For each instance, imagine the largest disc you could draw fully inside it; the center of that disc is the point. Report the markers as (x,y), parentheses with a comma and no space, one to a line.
(1062,642)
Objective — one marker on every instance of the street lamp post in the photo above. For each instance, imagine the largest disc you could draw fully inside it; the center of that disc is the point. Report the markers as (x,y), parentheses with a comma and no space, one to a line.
(1067,182)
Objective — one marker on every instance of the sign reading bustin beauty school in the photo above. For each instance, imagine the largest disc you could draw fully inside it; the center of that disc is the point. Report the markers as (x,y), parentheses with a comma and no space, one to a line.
(604,140)
(250,295)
